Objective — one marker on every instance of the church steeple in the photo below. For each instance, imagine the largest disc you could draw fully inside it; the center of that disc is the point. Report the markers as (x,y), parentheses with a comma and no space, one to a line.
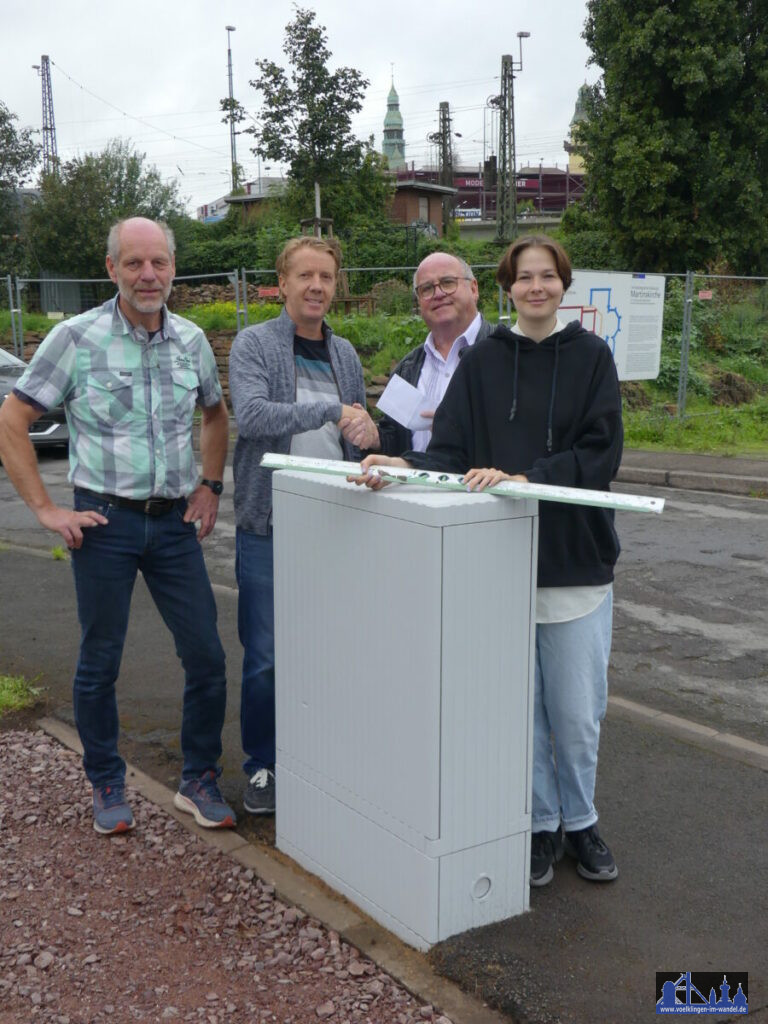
(393,146)
(575,159)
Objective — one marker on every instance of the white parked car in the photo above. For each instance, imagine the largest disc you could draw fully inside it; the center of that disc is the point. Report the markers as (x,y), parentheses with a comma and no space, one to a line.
(50,430)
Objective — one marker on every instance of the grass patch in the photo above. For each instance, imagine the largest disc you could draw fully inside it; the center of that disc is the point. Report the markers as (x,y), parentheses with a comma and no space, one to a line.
(37,322)
(16,693)
(719,431)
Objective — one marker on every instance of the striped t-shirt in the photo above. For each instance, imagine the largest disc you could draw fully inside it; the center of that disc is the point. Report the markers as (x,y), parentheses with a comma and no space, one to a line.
(315,382)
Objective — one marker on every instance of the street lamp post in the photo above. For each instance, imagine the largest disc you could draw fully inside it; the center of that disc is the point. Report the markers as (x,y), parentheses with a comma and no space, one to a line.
(232,144)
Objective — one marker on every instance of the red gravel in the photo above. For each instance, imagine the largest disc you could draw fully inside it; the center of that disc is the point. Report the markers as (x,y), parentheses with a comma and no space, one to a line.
(154,925)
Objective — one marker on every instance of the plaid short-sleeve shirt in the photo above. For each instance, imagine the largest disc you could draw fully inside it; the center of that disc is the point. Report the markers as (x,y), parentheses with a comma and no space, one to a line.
(129,399)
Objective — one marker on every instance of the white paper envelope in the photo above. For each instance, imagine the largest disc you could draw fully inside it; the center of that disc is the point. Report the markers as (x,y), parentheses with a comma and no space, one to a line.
(404,403)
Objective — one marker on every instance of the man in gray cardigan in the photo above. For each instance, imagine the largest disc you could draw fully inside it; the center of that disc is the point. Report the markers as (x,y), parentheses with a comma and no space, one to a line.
(446,291)
(296,388)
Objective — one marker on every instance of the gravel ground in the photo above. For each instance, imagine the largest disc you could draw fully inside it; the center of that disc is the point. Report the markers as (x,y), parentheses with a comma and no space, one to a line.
(154,925)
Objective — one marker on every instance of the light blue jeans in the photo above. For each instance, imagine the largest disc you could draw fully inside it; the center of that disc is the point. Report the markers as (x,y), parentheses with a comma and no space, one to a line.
(570,698)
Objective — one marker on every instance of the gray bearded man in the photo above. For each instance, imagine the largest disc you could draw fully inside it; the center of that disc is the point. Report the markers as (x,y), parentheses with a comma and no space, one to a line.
(130,375)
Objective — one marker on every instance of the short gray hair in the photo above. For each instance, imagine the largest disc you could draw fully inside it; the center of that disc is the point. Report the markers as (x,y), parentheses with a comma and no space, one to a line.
(113,238)
(465,267)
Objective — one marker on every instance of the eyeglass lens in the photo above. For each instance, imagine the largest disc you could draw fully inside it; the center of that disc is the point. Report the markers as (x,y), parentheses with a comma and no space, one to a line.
(447,285)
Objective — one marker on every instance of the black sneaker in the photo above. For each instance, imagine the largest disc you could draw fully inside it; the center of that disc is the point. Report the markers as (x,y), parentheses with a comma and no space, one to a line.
(259,796)
(595,860)
(546,851)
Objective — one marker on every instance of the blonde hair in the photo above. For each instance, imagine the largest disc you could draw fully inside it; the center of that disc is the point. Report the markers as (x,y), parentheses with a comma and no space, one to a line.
(329,245)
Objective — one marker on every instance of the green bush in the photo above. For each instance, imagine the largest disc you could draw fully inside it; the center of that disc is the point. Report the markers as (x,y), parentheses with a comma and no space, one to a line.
(380,340)
(222,316)
(393,296)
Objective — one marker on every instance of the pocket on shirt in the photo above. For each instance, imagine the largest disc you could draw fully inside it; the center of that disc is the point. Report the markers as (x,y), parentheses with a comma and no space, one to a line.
(109,395)
(185,386)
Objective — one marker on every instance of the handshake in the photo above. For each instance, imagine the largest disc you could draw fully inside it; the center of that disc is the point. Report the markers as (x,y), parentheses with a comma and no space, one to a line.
(358,428)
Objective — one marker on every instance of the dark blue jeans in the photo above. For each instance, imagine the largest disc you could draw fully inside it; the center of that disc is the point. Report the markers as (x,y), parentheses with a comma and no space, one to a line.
(256,628)
(167,552)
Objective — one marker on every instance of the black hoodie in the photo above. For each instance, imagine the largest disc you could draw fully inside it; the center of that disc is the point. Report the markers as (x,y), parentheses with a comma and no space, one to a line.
(552,411)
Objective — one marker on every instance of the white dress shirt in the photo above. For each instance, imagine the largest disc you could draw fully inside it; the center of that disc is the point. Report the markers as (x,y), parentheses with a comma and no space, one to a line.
(436,375)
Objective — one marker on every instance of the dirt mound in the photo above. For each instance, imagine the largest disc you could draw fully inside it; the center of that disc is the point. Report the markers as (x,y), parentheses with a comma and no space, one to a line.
(731,388)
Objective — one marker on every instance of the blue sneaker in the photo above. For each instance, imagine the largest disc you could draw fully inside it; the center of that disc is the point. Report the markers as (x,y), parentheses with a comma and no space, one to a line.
(111,814)
(203,798)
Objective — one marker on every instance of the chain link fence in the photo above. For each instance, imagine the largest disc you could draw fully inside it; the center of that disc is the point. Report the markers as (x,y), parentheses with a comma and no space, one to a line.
(715,331)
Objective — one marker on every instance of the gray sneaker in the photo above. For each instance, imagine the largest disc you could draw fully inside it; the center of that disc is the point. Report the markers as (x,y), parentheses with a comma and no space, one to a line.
(111,813)
(202,798)
(259,796)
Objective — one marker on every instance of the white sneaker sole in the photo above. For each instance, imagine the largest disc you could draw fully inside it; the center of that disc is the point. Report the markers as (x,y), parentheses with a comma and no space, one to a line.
(183,803)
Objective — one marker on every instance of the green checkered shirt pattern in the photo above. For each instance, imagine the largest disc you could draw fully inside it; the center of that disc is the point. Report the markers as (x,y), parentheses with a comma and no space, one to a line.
(129,399)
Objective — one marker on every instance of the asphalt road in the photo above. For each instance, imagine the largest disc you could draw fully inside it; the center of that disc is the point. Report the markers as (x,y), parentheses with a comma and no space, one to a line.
(691,619)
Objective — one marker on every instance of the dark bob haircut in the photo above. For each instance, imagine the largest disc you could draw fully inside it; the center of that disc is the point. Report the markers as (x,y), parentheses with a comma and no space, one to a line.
(506,275)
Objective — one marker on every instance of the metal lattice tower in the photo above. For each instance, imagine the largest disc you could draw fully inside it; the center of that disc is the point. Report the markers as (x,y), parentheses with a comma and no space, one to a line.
(506,182)
(442,138)
(446,150)
(50,152)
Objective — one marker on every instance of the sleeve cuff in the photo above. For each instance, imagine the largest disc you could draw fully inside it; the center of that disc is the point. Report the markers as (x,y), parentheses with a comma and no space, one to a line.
(29,401)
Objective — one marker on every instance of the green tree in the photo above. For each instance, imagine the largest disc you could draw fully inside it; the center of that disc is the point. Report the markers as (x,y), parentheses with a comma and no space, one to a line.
(19,154)
(306,115)
(358,198)
(68,225)
(676,135)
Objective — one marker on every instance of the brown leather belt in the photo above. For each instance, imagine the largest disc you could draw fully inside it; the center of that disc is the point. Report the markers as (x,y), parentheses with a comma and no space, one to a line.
(148,506)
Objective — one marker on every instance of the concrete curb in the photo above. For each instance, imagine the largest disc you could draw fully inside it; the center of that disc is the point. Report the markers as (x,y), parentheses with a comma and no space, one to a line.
(723,743)
(297,887)
(690,480)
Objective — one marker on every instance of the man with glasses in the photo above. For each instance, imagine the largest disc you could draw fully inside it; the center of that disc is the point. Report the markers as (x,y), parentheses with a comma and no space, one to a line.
(446,291)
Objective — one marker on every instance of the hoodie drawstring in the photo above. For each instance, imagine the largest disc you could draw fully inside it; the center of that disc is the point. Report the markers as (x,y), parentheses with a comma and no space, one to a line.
(550,414)
(552,395)
(513,410)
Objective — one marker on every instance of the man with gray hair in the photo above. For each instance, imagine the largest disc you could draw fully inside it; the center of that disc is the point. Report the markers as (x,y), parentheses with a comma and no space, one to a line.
(446,291)
(130,375)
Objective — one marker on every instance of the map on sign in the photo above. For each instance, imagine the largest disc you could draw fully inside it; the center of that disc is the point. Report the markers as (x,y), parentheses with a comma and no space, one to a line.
(627,310)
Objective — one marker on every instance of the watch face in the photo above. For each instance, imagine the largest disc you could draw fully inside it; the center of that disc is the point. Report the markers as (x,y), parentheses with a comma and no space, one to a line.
(216,485)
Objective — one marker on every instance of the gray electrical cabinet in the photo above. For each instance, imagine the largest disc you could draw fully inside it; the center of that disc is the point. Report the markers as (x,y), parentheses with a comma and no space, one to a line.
(404,632)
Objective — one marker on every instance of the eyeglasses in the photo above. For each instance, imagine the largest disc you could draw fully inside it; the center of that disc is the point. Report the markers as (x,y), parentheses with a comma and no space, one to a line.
(447,286)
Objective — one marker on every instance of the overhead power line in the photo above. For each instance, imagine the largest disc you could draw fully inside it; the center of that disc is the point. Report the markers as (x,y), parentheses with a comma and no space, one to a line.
(139,120)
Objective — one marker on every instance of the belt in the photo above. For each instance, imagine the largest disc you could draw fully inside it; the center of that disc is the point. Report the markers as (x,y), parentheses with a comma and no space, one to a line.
(148,506)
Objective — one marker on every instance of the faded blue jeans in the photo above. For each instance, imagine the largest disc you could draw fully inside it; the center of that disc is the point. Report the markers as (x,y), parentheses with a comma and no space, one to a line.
(167,552)
(256,628)
(570,699)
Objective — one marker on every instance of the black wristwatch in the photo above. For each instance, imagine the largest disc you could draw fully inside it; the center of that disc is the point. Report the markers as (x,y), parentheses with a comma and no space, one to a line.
(216,486)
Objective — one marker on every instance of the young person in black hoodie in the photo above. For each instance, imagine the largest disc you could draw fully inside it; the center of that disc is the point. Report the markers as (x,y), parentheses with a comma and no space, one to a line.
(541,402)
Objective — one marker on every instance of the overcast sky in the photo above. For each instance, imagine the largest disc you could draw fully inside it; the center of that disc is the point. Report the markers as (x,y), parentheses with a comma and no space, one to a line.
(154,74)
